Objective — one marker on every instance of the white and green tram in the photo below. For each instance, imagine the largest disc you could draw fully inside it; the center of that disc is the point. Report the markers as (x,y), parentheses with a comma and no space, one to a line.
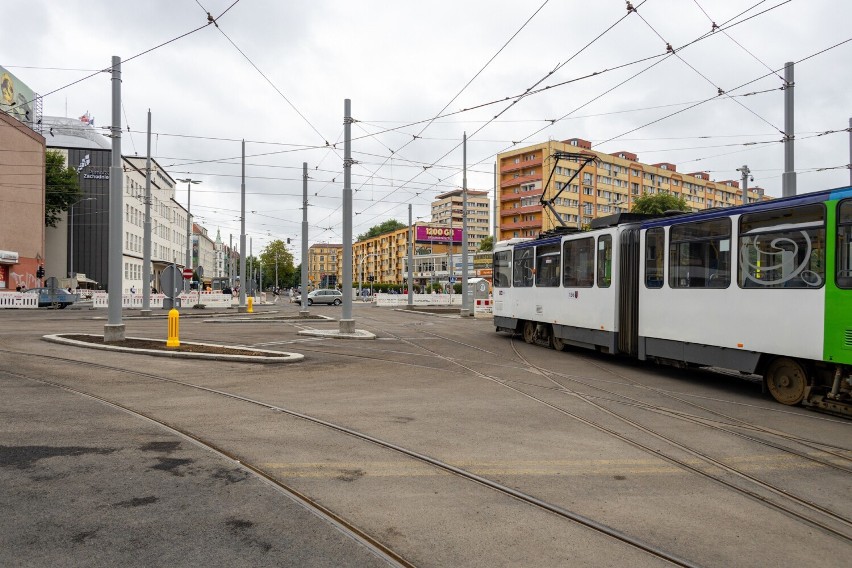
(763,288)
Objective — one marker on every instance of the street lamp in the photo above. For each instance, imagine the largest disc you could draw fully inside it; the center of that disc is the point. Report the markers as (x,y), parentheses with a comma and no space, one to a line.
(361,281)
(189,183)
(71,219)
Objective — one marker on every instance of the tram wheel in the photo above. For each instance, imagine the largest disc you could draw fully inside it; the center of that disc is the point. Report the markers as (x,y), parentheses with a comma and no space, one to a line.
(529,332)
(786,380)
(556,342)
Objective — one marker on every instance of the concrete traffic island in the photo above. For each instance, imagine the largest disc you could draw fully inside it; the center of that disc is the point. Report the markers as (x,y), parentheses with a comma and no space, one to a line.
(338,334)
(186,350)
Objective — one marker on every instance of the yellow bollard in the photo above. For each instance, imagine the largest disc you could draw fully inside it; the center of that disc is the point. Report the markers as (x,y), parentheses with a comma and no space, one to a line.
(250,304)
(174,329)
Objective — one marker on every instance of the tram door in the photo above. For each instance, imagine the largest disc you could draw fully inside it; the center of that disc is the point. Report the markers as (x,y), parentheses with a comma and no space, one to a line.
(628,292)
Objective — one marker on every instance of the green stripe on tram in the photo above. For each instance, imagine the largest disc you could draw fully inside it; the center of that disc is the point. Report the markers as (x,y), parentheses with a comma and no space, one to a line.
(837,342)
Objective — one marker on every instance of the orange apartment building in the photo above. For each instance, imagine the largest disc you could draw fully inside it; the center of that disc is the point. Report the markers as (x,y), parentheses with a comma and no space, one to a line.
(605,186)
(325,265)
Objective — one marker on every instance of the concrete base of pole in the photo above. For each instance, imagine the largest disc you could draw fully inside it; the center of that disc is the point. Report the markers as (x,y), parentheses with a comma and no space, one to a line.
(113,333)
(304,313)
(242,309)
(145,313)
(347,326)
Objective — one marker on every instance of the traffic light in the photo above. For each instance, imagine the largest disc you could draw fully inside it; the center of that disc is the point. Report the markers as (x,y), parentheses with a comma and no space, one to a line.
(40,271)
(288,241)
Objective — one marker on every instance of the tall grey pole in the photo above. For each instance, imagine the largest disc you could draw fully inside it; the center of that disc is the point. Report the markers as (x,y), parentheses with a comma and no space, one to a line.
(788,179)
(494,213)
(71,274)
(850,151)
(231,261)
(410,257)
(146,243)
(276,271)
(465,311)
(188,228)
(114,328)
(303,310)
(251,265)
(260,278)
(242,307)
(347,324)
(746,172)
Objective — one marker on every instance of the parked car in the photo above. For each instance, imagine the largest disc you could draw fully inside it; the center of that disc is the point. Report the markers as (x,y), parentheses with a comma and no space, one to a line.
(334,297)
(53,297)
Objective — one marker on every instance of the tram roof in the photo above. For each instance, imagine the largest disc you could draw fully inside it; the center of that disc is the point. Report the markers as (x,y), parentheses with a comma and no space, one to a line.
(803,199)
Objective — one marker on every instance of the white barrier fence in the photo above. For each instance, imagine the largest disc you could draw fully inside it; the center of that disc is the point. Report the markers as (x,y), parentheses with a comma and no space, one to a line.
(187,300)
(385,300)
(18,300)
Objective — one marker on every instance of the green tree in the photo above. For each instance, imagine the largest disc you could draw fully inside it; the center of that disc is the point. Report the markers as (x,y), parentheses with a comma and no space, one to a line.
(658,204)
(286,267)
(388,226)
(487,243)
(62,189)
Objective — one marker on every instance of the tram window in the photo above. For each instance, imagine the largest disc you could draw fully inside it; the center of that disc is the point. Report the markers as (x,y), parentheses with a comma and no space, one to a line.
(578,258)
(700,254)
(547,266)
(783,248)
(503,269)
(844,244)
(522,268)
(655,242)
(604,261)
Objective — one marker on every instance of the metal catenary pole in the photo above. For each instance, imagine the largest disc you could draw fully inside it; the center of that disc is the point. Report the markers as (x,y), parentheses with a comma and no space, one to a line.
(746,172)
(850,151)
(251,266)
(146,243)
(465,311)
(114,328)
(410,258)
(495,236)
(242,306)
(231,261)
(788,179)
(304,276)
(347,324)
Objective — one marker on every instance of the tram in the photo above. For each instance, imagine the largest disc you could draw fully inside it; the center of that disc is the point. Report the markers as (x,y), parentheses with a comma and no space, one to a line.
(762,288)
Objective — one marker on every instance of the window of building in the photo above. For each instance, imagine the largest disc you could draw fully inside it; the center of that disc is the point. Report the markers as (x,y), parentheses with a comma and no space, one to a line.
(783,248)
(700,254)
(654,250)
(522,268)
(547,266)
(578,263)
(587,191)
(844,244)
(604,261)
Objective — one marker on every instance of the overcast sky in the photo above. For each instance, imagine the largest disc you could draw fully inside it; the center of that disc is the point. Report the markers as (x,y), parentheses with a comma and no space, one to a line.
(402,62)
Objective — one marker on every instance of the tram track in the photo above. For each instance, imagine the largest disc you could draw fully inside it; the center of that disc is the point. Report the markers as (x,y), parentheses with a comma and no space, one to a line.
(810,506)
(422,458)
(813,508)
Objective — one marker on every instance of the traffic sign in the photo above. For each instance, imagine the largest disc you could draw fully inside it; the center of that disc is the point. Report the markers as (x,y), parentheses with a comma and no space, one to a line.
(452,279)
(187,273)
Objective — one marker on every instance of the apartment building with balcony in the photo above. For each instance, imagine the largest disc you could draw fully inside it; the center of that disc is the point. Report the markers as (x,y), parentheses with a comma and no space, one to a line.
(448,211)
(608,184)
(325,265)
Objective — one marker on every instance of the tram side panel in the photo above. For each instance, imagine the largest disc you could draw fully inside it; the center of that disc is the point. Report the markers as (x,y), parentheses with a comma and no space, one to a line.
(723,321)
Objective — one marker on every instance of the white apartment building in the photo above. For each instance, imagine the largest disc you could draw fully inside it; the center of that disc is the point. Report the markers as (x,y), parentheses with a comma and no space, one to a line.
(447,210)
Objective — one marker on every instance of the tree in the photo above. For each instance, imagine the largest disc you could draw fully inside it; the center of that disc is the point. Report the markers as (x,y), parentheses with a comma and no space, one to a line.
(659,203)
(388,226)
(285,263)
(487,243)
(62,189)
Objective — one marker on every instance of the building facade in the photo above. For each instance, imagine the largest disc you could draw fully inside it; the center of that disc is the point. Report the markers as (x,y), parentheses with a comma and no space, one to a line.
(608,184)
(80,244)
(448,211)
(325,265)
(22,202)
(203,251)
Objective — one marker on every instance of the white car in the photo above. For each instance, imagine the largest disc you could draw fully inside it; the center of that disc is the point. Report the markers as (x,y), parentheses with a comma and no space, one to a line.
(334,297)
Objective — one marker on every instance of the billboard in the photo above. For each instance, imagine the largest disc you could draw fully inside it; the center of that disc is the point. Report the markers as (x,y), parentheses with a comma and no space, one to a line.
(426,234)
(16,99)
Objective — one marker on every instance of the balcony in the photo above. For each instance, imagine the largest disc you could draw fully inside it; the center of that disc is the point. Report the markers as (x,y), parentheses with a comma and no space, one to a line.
(536,224)
(520,210)
(519,180)
(520,165)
